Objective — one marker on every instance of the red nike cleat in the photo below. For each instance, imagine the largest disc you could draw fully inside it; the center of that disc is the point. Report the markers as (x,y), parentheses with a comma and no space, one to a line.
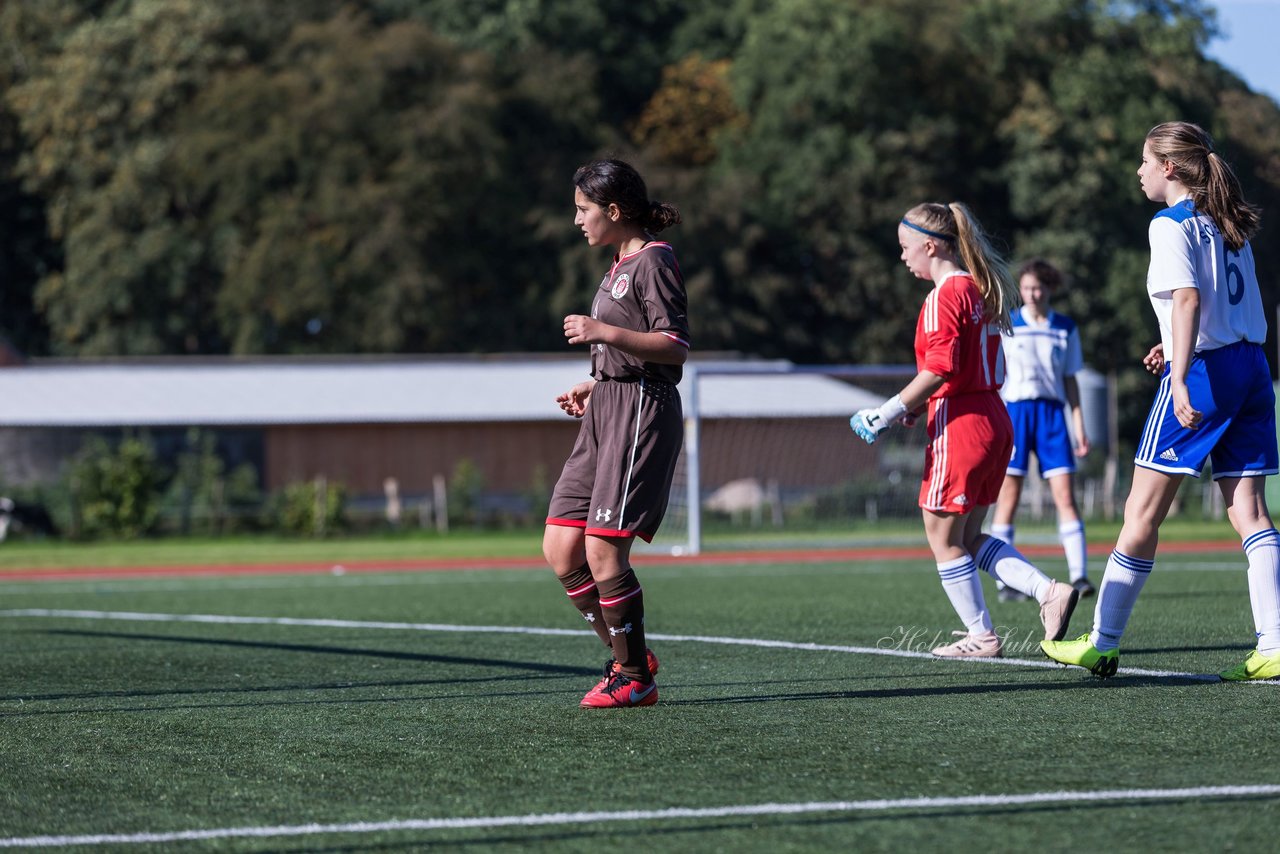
(611,668)
(621,693)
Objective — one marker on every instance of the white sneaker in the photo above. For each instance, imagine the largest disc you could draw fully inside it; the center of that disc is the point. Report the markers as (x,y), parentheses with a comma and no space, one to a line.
(985,645)
(1055,613)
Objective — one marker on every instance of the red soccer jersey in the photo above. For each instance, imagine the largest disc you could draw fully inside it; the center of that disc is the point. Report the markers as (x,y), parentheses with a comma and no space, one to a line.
(955,341)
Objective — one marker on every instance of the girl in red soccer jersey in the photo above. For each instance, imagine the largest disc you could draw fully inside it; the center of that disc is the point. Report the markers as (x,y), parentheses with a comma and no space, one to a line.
(615,484)
(960,364)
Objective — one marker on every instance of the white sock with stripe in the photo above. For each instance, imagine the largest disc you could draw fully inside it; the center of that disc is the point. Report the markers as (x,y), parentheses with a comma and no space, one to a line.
(1121,583)
(964,588)
(1263,552)
(1003,532)
(1006,565)
(1071,535)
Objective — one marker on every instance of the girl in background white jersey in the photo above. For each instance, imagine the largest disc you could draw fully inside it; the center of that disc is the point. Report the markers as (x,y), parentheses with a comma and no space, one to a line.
(1042,358)
(1215,401)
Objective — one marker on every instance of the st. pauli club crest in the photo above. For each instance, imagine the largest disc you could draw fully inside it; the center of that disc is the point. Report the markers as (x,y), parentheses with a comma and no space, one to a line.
(621,285)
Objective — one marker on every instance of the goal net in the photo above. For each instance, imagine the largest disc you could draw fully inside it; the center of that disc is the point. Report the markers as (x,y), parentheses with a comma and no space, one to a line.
(769,458)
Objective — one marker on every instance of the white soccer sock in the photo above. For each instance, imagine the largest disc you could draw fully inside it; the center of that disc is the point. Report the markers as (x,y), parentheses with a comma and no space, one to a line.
(1006,564)
(1121,583)
(964,588)
(1003,532)
(1071,535)
(1263,551)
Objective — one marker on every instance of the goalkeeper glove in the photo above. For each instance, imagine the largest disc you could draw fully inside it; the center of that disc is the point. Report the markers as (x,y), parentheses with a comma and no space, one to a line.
(869,423)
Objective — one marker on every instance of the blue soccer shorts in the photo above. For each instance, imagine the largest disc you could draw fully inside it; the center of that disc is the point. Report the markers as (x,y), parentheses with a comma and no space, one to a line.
(1231,387)
(1040,427)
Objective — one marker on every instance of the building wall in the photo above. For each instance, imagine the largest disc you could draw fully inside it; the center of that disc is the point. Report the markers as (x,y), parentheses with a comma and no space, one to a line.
(36,455)
(795,452)
(513,457)
(362,456)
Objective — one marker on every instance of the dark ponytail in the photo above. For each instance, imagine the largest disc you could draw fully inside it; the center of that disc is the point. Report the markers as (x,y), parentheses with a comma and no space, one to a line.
(616,182)
(661,215)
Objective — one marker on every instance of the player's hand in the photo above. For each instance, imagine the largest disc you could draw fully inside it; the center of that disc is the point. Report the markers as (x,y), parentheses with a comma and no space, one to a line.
(909,420)
(1082,447)
(1154,360)
(1188,416)
(580,329)
(868,424)
(574,401)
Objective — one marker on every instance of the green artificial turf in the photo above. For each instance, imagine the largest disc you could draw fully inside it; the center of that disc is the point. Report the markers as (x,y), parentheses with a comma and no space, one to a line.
(126,726)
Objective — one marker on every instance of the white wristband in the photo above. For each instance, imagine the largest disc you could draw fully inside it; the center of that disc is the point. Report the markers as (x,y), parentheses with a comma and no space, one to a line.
(892,409)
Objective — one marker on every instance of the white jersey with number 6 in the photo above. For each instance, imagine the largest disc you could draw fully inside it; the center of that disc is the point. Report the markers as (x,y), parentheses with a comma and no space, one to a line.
(1187,251)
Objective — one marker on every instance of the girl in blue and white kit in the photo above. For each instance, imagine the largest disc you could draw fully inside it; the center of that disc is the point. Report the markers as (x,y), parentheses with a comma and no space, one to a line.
(1215,401)
(1041,360)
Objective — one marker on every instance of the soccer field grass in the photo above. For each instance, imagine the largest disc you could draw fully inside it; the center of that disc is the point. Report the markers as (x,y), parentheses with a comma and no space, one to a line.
(399,711)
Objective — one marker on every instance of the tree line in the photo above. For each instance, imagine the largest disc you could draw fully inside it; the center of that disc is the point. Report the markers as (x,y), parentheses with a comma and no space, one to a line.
(393,176)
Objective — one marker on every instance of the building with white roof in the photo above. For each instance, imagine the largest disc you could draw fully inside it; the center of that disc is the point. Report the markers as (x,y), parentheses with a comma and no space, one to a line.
(361,420)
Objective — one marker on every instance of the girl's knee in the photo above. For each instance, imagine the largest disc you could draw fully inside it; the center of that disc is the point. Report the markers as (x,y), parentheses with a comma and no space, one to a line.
(563,549)
(608,558)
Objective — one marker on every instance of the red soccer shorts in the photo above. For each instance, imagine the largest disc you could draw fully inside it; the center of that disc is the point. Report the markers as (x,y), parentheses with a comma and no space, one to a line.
(970,443)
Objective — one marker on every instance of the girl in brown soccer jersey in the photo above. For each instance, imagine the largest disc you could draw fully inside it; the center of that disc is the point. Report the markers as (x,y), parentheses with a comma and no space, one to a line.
(615,483)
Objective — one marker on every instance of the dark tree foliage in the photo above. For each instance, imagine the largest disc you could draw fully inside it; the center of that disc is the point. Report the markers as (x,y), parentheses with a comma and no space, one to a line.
(322,176)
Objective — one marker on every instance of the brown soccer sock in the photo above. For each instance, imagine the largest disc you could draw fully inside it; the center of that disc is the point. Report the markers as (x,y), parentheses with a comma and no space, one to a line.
(623,606)
(581,588)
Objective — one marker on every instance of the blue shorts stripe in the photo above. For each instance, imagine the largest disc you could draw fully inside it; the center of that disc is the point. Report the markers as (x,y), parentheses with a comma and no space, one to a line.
(1151,432)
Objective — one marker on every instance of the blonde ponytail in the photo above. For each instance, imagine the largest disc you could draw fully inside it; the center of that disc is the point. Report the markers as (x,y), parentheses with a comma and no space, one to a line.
(990,272)
(955,224)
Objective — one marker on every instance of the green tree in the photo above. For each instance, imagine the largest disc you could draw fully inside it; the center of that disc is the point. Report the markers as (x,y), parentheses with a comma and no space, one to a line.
(231,178)
(394,175)
(97,113)
(30,32)
(626,44)
(1031,113)
(338,185)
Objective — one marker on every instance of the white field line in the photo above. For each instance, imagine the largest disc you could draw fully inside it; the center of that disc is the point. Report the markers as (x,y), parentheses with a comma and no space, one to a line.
(891,648)
(580,818)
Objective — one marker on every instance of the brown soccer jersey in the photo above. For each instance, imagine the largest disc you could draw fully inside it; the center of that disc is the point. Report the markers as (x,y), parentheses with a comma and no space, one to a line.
(617,479)
(643,292)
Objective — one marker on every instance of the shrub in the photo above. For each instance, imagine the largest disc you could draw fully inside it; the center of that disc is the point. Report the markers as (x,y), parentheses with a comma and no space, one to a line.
(114,492)
(314,508)
(206,498)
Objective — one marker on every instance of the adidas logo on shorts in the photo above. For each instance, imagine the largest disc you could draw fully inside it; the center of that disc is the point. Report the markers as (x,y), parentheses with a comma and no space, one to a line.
(1170,456)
